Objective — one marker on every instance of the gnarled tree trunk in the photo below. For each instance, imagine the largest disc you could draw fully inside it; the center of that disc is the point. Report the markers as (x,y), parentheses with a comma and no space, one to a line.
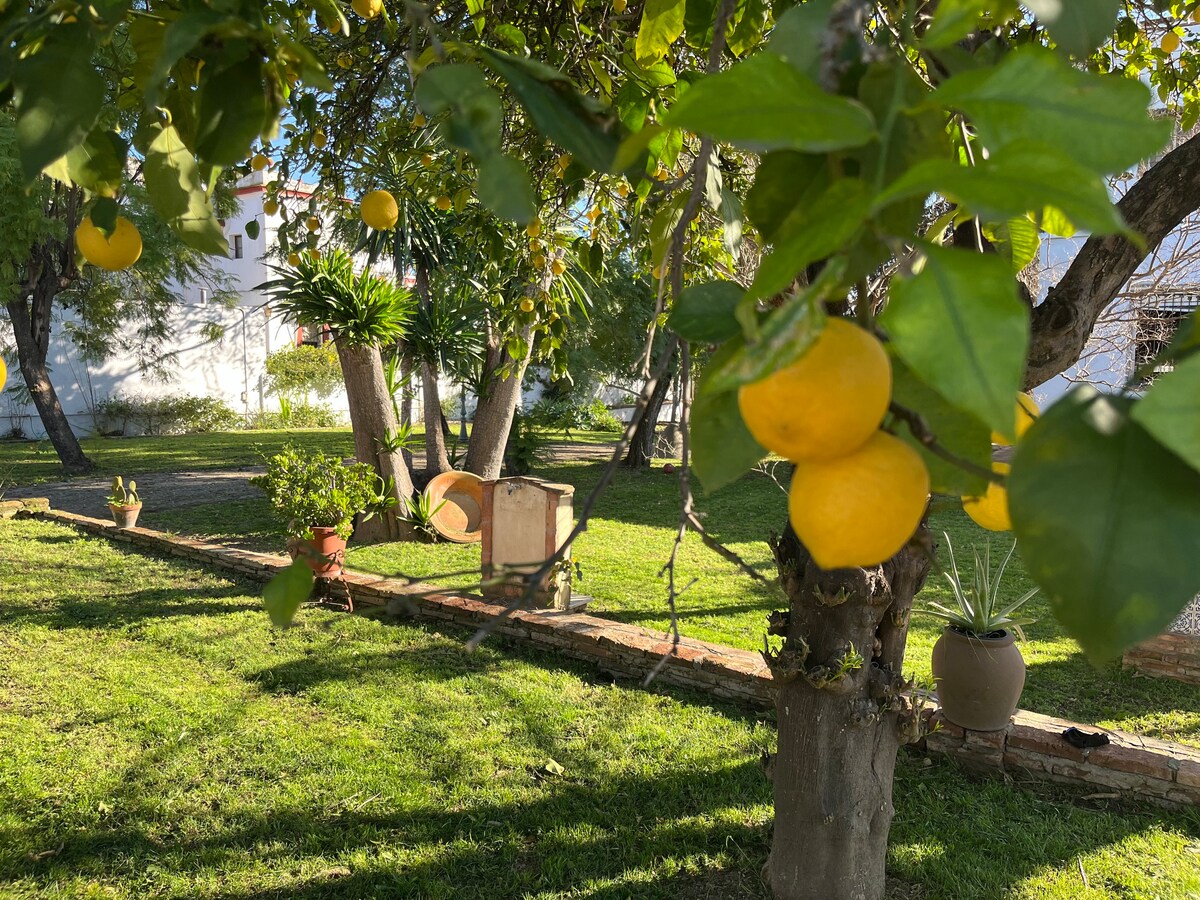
(30,316)
(372,419)
(436,458)
(842,719)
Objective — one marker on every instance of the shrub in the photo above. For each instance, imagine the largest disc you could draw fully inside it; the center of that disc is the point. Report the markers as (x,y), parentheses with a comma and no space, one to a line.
(568,415)
(299,371)
(297,415)
(169,414)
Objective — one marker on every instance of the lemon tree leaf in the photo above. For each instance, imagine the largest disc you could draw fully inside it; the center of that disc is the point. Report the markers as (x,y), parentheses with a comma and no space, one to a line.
(1080,26)
(762,103)
(1035,97)
(705,313)
(955,19)
(233,112)
(560,112)
(58,96)
(1171,410)
(98,163)
(505,188)
(1106,519)
(662,24)
(959,432)
(960,326)
(722,448)
(796,37)
(284,593)
(174,186)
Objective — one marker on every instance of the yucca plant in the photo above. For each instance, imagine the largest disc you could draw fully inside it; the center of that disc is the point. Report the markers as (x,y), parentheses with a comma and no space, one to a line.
(980,611)
(419,511)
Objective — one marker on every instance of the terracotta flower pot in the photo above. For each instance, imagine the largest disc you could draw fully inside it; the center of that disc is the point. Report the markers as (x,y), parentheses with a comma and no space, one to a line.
(125,516)
(978,680)
(324,553)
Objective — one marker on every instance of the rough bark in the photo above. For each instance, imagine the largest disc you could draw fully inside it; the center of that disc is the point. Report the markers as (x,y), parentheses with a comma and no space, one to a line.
(1155,205)
(494,412)
(405,406)
(841,723)
(641,445)
(372,419)
(436,458)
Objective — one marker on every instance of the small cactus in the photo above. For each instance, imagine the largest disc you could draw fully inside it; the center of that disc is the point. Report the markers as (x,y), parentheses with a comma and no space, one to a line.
(120,495)
(131,494)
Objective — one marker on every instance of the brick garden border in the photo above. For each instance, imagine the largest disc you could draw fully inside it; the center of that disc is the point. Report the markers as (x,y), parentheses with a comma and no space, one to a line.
(1030,748)
(1170,655)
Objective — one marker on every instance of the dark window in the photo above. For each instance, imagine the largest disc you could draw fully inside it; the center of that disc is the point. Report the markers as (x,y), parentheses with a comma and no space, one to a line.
(237,246)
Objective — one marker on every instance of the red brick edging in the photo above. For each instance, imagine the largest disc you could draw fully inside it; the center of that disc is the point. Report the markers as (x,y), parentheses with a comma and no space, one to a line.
(1031,747)
(1167,656)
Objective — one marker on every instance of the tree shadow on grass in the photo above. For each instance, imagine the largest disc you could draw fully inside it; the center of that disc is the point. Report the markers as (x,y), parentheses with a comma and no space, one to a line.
(112,611)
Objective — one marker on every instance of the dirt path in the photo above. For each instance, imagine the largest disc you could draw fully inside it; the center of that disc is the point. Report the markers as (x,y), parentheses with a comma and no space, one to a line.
(170,490)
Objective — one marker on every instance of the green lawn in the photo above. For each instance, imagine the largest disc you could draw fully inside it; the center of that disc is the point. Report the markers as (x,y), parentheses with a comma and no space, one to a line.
(630,537)
(161,741)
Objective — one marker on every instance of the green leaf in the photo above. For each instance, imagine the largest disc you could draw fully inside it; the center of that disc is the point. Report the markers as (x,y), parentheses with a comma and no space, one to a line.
(960,433)
(698,23)
(1080,26)
(103,213)
(1170,411)
(812,233)
(748,26)
(1106,519)
(722,448)
(662,24)
(781,338)
(284,593)
(57,95)
(98,164)
(233,113)
(796,37)
(1035,97)
(784,180)
(762,103)
(704,313)
(476,113)
(166,46)
(1021,241)
(961,328)
(505,189)
(559,110)
(662,228)
(173,184)
(955,19)
(1016,180)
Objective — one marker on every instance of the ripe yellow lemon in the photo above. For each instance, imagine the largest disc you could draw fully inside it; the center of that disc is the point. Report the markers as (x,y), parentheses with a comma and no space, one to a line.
(828,402)
(119,250)
(527,305)
(443,203)
(259,162)
(379,210)
(534,228)
(534,245)
(861,508)
(320,139)
(558,267)
(313,223)
(293,259)
(1170,42)
(656,273)
(270,207)
(564,160)
(314,254)
(1026,414)
(539,261)
(368,9)
(619,6)
(419,121)
(426,159)
(991,510)
(622,190)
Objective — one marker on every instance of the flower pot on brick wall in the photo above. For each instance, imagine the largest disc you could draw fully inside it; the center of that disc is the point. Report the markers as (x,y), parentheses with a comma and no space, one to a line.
(325,551)
(978,680)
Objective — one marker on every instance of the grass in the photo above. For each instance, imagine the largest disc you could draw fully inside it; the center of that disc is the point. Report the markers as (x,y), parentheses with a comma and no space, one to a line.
(630,537)
(161,741)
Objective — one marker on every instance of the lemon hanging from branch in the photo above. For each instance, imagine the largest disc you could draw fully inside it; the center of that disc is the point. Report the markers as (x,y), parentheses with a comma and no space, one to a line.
(368,9)
(380,210)
(990,510)
(119,250)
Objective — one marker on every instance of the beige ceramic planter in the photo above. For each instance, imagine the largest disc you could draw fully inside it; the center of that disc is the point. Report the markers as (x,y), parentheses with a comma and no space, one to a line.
(978,680)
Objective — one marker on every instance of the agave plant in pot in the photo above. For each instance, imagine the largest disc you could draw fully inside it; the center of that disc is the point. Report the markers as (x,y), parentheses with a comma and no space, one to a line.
(978,669)
(318,496)
(124,502)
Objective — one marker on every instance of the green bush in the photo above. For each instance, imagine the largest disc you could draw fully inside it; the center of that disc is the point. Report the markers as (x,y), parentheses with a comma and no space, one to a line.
(296,415)
(568,415)
(298,371)
(169,414)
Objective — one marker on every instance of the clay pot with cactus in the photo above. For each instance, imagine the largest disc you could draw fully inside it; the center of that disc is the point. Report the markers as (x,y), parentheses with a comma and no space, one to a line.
(124,502)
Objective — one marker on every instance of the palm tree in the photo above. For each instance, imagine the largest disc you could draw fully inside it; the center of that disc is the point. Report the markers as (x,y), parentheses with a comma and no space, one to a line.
(364,313)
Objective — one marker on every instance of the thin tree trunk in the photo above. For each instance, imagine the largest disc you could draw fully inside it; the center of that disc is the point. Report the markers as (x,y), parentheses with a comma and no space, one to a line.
(494,412)
(372,419)
(436,458)
(641,447)
(841,721)
(405,407)
(31,330)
